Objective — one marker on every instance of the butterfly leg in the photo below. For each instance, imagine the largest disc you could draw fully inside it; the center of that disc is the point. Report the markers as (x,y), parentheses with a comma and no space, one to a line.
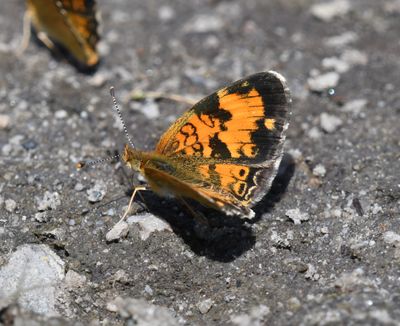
(196,215)
(138,188)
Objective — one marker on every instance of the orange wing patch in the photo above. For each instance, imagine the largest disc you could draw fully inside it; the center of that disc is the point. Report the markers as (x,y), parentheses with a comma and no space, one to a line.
(245,109)
(220,133)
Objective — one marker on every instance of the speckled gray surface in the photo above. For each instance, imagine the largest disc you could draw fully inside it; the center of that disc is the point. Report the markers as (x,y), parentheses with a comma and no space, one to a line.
(325,248)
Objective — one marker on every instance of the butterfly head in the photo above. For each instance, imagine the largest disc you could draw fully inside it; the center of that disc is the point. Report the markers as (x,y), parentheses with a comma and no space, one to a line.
(132,157)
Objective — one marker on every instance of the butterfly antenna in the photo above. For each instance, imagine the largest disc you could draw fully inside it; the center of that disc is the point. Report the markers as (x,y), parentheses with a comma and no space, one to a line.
(84,164)
(120,116)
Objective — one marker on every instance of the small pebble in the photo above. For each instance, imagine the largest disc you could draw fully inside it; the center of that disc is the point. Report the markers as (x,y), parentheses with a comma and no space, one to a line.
(41,217)
(61,114)
(355,106)
(280,241)
(97,192)
(294,303)
(98,80)
(329,10)
(166,13)
(29,144)
(79,187)
(150,109)
(375,209)
(74,280)
(314,133)
(354,57)
(392,238)
(329,123)
(4,121)
(148,290)
(120,230)
(296,216)
(341,40)
(335,63)
(323,82)
(319,171)
(324,230)
(50,200)
(10,205)
(121,276)
(311,273)
(205,306)
(256,317)
(148,223)
(382,316)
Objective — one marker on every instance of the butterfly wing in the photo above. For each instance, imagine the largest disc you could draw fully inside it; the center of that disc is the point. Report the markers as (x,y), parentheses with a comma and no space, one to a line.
(70,25)
(232,140)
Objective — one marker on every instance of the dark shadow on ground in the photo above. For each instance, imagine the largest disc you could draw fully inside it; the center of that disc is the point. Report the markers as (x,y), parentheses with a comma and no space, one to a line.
(278,187)
(225,238)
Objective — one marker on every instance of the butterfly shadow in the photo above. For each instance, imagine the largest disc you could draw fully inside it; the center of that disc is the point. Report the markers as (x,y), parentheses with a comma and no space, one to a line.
(225,238)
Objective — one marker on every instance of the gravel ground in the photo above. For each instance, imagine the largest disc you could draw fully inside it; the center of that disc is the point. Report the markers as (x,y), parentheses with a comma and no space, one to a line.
(325,247)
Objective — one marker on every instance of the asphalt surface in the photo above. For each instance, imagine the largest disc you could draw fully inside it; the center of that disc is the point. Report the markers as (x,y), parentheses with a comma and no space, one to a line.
(325,245)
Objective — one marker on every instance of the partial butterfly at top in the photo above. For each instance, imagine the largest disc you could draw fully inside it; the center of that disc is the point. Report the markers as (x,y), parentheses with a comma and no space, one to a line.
(69,26)
(225,151)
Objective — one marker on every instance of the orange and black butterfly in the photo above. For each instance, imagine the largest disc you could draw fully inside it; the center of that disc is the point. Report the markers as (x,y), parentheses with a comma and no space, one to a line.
(225,151)
(69,26)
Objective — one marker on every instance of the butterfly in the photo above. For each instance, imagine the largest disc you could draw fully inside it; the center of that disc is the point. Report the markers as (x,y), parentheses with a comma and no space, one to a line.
(69,26)
(225,151)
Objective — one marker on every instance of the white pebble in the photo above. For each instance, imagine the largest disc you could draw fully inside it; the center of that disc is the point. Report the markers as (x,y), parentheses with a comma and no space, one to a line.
(329,10)
(391,237)
(322,82)
(4,121)
(120,230)
(151,110)
(205,306)
(330,123)
(148,223)
(355,106)
(50,200)
(10,205)
(319,171)
(61,114)
(354,57)
(296,216)
(335,63)
(97,193)
(166,13)
(341,40)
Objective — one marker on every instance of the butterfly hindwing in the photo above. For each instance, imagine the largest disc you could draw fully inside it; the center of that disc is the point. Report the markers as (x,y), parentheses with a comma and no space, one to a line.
(67,25)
